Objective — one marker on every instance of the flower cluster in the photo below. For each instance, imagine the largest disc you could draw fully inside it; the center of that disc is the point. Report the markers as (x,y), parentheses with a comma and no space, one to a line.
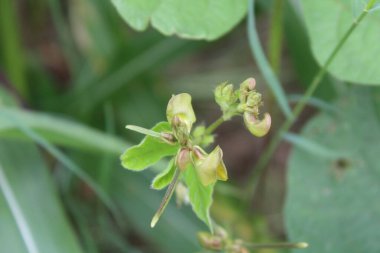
(244,101)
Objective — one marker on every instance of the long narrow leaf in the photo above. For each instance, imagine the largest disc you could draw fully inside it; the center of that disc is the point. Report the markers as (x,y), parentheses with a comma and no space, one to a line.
(60,131)
(312,147)
(262,62)
(60,156)
(17,212)
(32,218)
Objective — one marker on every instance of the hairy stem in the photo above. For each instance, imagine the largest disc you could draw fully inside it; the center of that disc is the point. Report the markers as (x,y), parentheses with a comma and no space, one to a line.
(269,151)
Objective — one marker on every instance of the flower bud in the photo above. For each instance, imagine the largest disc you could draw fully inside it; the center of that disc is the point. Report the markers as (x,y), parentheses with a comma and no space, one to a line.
(180,130)
(168,138)
(248,85)
(254,100)
(180,106)
(257,127)
(210,242)
(246,88)
(183,158)
(225,96)
(210,167)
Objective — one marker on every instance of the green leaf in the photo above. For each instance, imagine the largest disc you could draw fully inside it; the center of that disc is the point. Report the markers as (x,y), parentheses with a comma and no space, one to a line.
(32,218)
(165,177)
(200,196)
(329,197)
(326,22)
(197,19)
(149,151)
(60,131)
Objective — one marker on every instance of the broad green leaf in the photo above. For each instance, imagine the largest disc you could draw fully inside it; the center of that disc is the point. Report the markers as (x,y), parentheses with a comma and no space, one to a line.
(333,202)
(197,19)
(200,196)
(32,218)
(165,177)
(60,131)
(149,151)
(326,22)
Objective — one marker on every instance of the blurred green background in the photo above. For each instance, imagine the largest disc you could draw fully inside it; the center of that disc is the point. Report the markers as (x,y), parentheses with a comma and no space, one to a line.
(73,74)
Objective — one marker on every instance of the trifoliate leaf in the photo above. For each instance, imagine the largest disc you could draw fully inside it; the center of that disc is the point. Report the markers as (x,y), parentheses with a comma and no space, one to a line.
(149,151)
(164,178)
(200,196)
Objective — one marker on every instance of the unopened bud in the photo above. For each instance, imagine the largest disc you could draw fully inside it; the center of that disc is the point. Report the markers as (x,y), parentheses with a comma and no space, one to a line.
(183,159)
(257,127)
(168,138)
(180,130)
(210,242)
(180,106)
(246,88)
(254,100)
(248,85)
(225,96)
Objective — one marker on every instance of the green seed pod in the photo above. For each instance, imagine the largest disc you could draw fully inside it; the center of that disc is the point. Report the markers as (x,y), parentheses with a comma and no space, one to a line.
(257,127)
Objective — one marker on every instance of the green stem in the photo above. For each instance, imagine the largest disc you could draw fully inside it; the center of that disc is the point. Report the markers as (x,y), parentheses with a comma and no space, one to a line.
(11,50)
(211,128)
(268,153)
(283,245)
(275,41)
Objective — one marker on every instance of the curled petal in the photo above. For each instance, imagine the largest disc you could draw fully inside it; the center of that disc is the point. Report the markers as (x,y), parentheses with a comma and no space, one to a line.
(210,167)
(180,106)
(257,127)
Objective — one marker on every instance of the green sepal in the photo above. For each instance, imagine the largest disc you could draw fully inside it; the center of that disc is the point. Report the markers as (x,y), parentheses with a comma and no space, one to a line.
(164,178)
(200,196)
(149,151)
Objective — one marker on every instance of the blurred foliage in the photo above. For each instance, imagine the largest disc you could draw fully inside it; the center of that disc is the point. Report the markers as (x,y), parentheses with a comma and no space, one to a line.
(73,74)
(342,189)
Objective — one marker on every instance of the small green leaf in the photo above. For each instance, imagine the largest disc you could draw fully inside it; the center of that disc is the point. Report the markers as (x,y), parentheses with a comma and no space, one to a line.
(200,196)
(149,151)
(165,177)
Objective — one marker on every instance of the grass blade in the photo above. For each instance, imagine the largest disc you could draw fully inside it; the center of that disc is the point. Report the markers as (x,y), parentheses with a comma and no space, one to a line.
(262,62)
(60,156)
